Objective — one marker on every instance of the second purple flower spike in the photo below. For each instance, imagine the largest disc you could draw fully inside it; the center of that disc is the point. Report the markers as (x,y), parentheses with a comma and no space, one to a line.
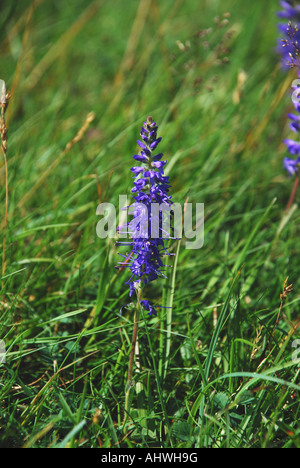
(288,46)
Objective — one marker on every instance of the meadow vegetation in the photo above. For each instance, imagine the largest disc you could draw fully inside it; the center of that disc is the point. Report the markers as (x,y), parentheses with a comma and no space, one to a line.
(218,368)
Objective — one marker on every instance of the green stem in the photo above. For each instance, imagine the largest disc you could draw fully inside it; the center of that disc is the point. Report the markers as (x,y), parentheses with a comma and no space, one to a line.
(293,194)
(131,358)
(157,378)
(169,314)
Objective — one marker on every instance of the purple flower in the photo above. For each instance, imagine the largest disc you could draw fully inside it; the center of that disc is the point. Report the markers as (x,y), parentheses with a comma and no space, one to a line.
(141,144)
(288,45)
(295,124)
(291,165)
(148,306)
(151,186)
(289,11)
(293,146)
(141,157)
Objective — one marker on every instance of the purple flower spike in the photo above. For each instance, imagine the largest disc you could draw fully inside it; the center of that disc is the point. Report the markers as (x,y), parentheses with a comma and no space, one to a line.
(147,239)
(292,165)
(289,43)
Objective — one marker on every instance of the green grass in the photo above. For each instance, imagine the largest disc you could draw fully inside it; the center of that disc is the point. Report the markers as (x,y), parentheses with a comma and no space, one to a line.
(211,373)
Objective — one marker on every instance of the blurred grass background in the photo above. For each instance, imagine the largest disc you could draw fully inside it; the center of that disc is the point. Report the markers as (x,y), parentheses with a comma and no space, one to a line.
(208,73)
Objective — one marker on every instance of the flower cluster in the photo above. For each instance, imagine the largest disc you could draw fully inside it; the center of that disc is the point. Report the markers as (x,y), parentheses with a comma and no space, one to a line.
(289,49)
(290,164)
(288,46)
(147,242)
